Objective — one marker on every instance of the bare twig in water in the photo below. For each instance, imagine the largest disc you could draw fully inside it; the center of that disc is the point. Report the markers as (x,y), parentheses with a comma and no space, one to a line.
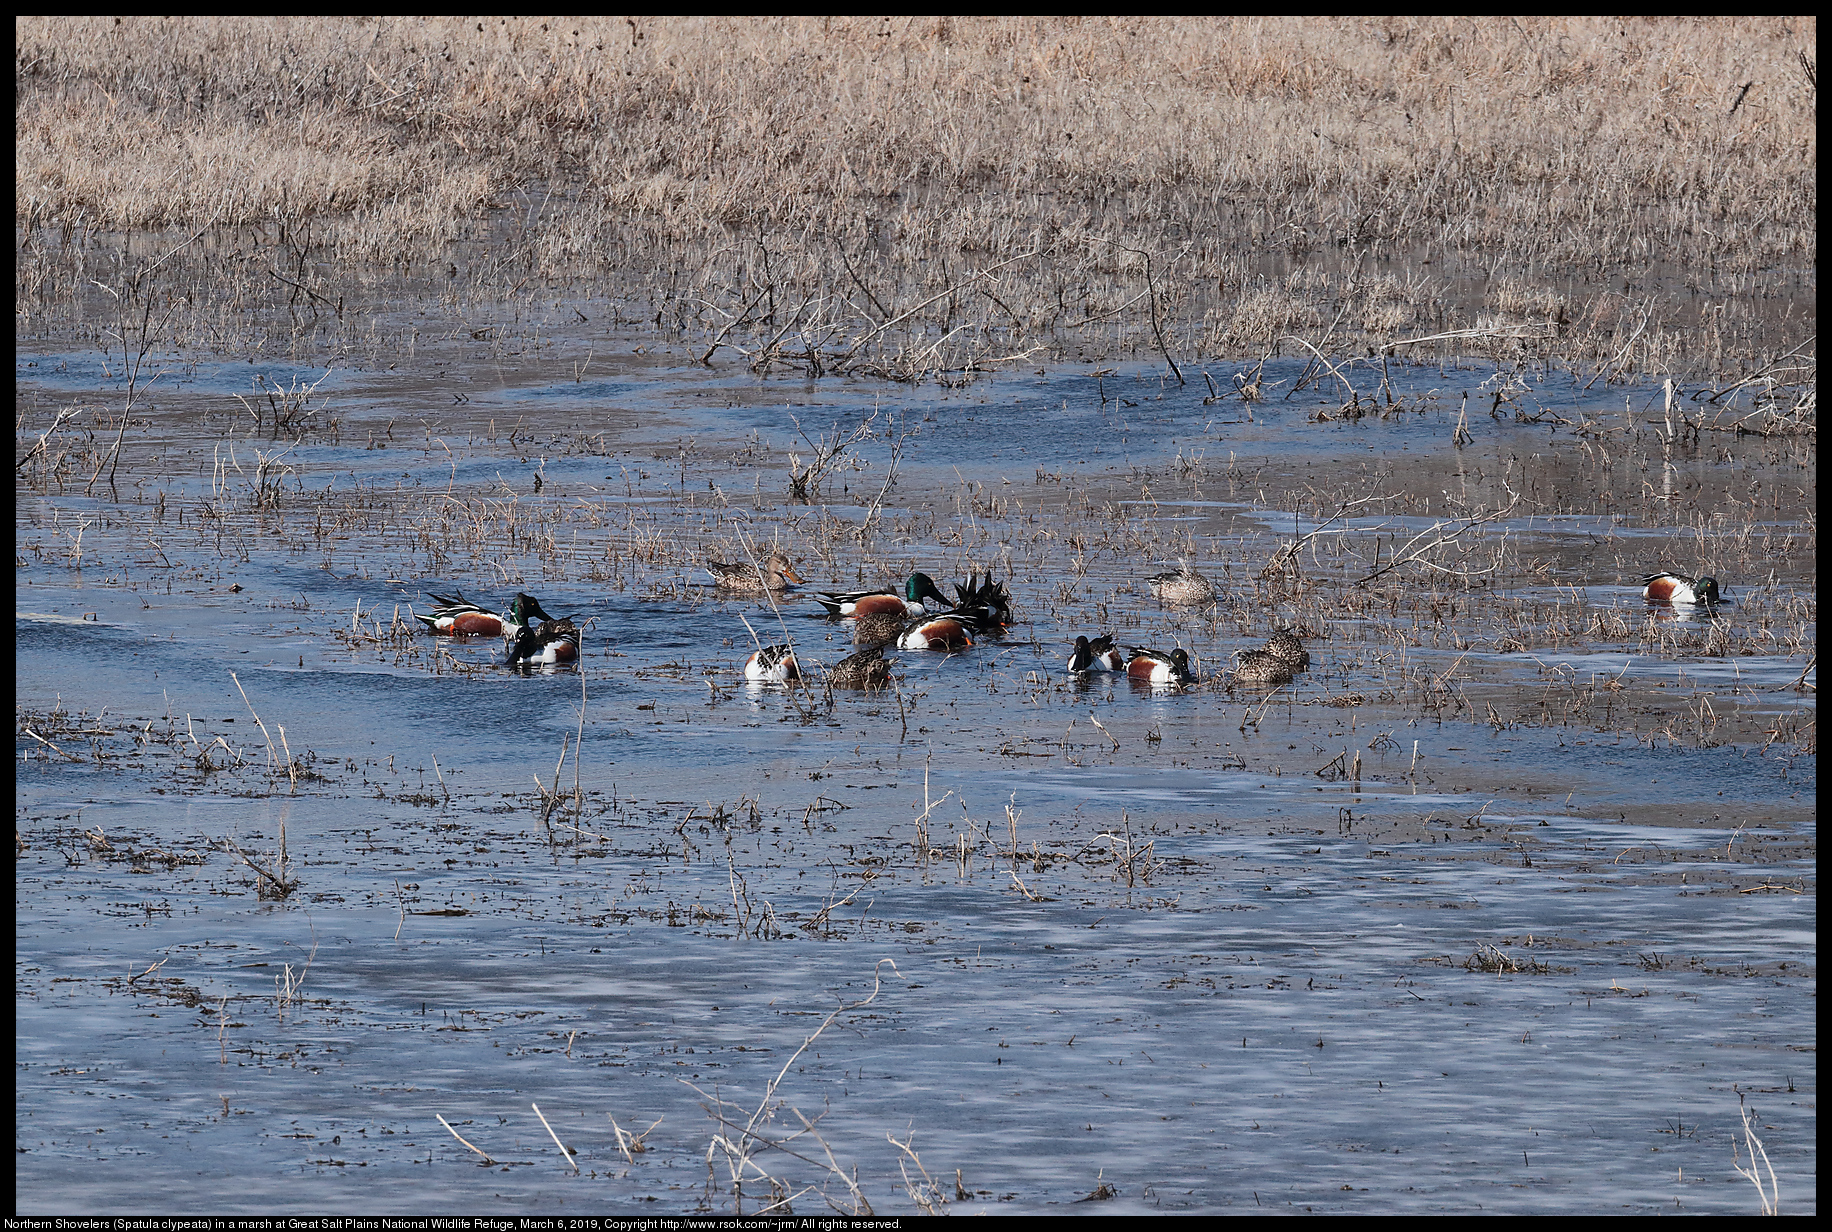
(488,1162)
(1758,1163)
(1287,554)
(292,771)
(48,433)
(550,797)
(73,757)
(137,342)
(928,806)
(743,313)
(861,1205)
(566,1154)
(1531,330)
(872,335)
(1157,328)
(1103,731)
(927,1196)
(739,1144)
(1342,380)
(273,885)
(287,986)
(631,1144)
(831,452)
(1416,549)
(902,434)
(1800,682)
(149,970)
(578,747)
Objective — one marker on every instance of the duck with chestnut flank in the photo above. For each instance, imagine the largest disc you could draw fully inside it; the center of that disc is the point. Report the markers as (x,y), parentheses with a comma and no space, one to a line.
(457,616)
(942,631)
(1157,667)
(773,664)
(1678,588)
(860,603)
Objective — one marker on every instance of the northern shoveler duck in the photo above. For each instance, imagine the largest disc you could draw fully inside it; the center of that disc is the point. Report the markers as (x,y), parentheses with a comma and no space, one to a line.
(1183,587)
(1678,588)
(775,663)
(880,602)
(877,629)
(1260,667)
(1097,655)
(943,631)
(864,670)
(776,575)
(1158,667)
(551,641)
(1287,648)
(522,613)
(987,601)
(457,616)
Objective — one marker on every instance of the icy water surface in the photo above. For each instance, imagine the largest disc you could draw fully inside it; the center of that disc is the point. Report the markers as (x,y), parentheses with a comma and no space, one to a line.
(1519,949)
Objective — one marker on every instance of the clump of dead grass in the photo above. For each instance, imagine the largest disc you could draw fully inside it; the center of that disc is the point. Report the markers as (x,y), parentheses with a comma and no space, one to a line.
(922,197)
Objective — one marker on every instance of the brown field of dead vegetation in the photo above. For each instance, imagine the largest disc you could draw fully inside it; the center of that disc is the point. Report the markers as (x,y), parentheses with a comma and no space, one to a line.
(917,196)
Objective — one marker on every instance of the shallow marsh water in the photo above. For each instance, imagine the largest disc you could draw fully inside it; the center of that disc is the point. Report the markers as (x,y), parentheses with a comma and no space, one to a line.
(1524,960)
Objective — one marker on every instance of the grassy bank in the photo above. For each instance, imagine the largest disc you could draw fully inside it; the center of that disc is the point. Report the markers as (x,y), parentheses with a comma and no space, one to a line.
(913,196)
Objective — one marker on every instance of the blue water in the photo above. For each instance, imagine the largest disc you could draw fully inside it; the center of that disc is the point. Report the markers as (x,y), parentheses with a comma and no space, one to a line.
(1212,978)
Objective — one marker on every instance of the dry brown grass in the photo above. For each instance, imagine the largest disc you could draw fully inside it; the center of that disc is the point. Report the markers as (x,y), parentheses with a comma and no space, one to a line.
(814,180)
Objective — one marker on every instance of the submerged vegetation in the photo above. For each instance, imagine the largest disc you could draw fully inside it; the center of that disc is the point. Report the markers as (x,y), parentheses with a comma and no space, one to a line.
(924,196)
